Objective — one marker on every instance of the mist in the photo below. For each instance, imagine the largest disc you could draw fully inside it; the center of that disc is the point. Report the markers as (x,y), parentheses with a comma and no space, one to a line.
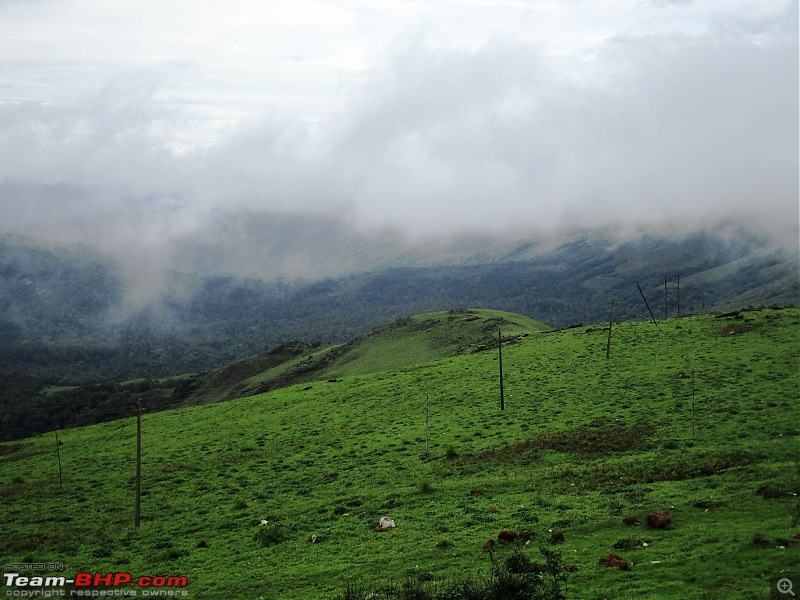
(404,125)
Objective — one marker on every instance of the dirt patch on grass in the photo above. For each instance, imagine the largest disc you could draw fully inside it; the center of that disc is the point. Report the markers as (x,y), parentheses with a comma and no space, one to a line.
(11,449)
(20,543)
(654,469)
(735,328)
(582,440)
(14,452)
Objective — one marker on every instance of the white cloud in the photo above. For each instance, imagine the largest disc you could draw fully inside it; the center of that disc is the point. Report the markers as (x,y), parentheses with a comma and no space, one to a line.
(152,117)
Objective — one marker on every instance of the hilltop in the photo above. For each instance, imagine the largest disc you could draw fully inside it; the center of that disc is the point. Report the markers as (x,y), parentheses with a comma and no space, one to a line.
(402,343)
(696,417)
(34,405)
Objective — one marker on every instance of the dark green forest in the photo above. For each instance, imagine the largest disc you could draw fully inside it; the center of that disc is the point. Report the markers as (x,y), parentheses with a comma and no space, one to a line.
(69,331)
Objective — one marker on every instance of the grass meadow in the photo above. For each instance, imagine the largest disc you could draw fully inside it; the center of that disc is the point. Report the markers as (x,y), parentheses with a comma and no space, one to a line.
(698,416)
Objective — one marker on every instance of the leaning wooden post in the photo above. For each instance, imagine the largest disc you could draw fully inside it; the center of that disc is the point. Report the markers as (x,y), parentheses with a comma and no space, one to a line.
(647,305)
(610,324)
(58,454)
(500,356)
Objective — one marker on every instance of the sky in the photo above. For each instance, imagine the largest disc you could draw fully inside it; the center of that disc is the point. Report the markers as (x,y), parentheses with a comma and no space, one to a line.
(133,122)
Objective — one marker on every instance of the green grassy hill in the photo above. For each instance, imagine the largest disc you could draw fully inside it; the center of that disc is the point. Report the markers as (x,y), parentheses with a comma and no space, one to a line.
(584,442)
(405,342)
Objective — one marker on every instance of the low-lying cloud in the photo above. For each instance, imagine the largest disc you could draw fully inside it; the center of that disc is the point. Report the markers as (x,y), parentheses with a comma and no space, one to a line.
(676,128)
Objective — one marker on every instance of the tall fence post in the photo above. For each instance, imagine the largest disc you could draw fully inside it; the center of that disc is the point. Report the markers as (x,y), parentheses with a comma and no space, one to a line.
(610,324)
(58,454)
(692,402)
(500,356)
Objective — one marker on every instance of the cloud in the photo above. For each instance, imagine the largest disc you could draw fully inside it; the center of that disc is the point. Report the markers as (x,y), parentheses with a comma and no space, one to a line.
(441,132)
(673,127)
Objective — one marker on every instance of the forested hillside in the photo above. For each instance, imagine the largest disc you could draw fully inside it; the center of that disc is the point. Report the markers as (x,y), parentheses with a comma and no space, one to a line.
(35,404)
(72,312)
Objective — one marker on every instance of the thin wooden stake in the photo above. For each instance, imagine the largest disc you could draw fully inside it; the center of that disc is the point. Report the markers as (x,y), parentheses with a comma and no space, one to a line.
(138,512)
(58,454)
(692,402)
(500,355)
(610,324)
(647,305)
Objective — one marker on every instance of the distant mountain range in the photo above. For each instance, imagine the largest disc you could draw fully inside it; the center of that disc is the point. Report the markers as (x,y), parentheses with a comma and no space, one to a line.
(74,311)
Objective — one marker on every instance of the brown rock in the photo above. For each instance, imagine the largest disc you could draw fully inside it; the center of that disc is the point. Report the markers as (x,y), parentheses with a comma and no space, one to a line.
(658,519)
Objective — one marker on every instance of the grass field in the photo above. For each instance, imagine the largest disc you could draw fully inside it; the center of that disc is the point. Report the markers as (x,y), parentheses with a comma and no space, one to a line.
(697,416)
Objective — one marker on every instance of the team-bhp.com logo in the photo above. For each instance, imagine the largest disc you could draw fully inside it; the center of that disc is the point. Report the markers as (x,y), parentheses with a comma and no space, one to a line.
(93,585)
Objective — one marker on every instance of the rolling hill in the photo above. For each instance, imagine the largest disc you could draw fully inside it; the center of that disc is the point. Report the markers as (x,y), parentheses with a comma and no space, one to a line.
(405,342)
(73,313)
(46,406)
(696,417)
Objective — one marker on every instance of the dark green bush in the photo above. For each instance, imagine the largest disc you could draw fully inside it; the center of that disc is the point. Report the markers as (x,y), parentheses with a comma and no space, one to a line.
(270,535)
(517,578)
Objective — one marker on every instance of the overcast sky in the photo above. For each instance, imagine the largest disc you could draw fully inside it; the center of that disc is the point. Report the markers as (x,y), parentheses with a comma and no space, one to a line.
(147,119)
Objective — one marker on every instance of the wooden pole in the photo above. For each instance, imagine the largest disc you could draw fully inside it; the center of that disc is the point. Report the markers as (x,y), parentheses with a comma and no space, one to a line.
(58,454)
(646,304)
(138,512)
(692,402)
(610,324)
(500,356)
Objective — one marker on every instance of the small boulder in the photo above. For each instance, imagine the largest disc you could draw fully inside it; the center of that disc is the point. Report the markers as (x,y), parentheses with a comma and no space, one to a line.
(614,560)
(658,519)
(507,536)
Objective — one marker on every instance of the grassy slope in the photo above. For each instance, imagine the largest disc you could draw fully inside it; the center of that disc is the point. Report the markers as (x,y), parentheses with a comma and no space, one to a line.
(325,458)
(405,342)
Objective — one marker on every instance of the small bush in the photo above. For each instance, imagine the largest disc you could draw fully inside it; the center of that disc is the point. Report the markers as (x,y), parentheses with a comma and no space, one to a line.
(517,578)
(172,554)
(626,544)
(425,487)
(270,535)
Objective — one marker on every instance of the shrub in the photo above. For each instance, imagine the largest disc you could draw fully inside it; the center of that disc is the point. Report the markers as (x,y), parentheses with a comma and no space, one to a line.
(517,578)
(626,544)
(270,535)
